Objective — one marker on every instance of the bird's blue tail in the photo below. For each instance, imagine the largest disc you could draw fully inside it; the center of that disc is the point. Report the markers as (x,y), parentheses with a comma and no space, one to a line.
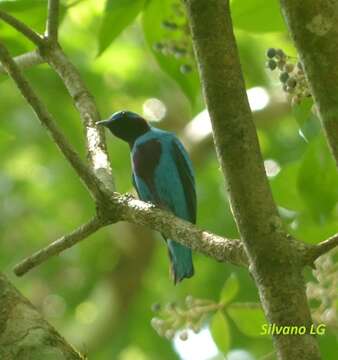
(181,261)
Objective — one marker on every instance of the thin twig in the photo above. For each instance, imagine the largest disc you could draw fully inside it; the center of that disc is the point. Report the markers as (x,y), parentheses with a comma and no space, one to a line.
(58,246)
(47,120)
(22,28)
(311,253)
(53,20)
(26,61)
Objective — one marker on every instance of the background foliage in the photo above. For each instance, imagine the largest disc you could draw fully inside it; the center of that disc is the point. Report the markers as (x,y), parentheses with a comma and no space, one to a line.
(129,52)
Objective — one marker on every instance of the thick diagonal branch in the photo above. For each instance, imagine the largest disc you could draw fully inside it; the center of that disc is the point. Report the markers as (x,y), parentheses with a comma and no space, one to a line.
(47,120)
(313,25)
(24,334)
(275,263)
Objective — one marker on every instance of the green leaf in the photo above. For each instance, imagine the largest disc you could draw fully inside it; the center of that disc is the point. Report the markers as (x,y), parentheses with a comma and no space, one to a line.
(249,318)
(252,56)
(220,331)
(155,13)
(307,229)
(257,15)
(284,187)
(302,111)
(318,179)
(230,289)
(118,14)
(308,123)
(6,137)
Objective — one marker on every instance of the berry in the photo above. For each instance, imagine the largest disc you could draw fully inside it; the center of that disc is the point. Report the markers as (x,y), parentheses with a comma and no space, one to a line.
(271,64)
(184,335)
(169,334)
(171,305)
(185,69)
(189,300)
(158,46)
(291,82)
(271,53)
(289,67)
(196,328)
(156,307)
(280,54)
(295,100)
(169,25)
(281,64)
(284,76)
(179,51)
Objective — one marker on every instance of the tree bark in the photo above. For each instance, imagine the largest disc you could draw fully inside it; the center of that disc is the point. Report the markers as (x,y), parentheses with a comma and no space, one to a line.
(273,256)
(313,25)
(24,334)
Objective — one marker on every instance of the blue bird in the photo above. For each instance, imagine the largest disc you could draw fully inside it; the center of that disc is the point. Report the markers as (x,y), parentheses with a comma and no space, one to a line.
(162,174)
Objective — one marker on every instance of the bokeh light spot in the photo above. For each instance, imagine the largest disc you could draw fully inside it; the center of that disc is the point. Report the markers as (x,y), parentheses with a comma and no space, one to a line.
(86,312)
(154,109)
(258,98)
(272,168)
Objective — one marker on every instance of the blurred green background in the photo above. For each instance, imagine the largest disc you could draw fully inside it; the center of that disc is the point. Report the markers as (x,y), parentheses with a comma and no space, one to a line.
(99,294)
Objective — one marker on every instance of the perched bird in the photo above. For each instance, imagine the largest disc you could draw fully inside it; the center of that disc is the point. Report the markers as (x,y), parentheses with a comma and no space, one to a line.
(162,174)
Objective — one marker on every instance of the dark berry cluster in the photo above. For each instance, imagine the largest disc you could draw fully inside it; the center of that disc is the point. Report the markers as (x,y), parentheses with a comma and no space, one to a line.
(177,42)
(291,75)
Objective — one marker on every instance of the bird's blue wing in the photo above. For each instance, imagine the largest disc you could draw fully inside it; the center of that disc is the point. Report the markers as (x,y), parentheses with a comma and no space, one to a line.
(186,175)
(135,185)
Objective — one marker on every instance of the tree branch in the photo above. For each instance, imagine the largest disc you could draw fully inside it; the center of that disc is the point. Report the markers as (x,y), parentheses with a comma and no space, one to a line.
(312,253)
(26,61)
(24,334)
(53,20)
(313,27)
(87,108)
(275,262)
(126,208)
(47,120)
(59,245)
(217,247)
(22,28)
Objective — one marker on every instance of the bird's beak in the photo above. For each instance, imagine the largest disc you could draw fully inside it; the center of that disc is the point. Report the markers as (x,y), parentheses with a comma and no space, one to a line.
(103,122)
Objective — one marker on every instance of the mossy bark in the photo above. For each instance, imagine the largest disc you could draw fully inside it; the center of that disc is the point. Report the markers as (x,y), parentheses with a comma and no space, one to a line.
(24,334)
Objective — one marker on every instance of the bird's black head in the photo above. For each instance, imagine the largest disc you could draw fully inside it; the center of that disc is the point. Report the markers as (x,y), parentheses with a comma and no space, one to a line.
(126,125)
